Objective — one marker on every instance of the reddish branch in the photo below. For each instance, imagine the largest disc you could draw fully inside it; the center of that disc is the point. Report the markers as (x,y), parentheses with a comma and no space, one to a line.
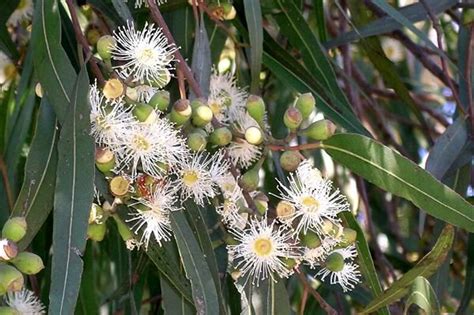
(324,305)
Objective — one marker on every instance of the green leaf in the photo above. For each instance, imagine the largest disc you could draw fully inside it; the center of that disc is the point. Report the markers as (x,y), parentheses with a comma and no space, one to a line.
(423,295)
(35,200)
(52,66)
(88,302)
(122,10)
(414,13)
(201,64)
(365,260)
(468,290)
(253,15)
(396,174)
(73,199)
(197,270)
(425,267)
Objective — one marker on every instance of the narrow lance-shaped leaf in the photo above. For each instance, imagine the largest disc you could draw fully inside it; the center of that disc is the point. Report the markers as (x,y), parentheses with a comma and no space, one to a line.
(203,287)
(396,174)
(253,15)
(37,193)
(201,64)
(72,202)
(425,267)
(423,295)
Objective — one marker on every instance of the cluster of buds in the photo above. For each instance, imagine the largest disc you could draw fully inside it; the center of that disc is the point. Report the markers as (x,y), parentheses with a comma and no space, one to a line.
(15,264)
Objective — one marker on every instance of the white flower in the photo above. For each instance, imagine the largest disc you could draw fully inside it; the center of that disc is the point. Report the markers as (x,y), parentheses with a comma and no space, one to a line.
(243,153)
(341,269)
(262,249)
(25,302)
(145,93)
(225,98)
(314,256)
(314,199)
(23,12)
(109,119)
(198,175)
(149,145)
(234,200)
(393,49)
(139,3)
(154,221)
(146,54)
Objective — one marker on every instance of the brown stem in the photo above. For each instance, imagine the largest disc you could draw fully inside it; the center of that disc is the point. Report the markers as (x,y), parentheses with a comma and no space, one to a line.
(83,42)
(324,305)
(6,182)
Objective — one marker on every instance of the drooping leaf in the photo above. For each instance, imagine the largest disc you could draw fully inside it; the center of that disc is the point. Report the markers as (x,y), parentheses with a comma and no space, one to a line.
(425,267)
(253,15)
(422,294)
(35,200)
(122,10)
(73,198)
(197,270)
(201,64)
(396,174)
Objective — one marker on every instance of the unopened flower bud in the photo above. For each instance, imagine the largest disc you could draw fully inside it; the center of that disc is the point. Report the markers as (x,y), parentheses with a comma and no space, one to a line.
(334,262)
(202,115)
(113,88)
(254,135)
(195,103)
(221,136)
(8,249)
(119,186)
(28,263)
(284,210)
(162,79)
(309,239)
(132,93)
(105,45)
(104,160)
(250,179)
(348,237)
(181,112)
(290,160)
(14,229)
(96,232)
(290,263)
(10,279)
(320,130)
(39,90)
(292,118)
(6,310)
(196,141)
(144,113)
(261,202)
(306,104)
(160,101)
(229,11)
(256,108)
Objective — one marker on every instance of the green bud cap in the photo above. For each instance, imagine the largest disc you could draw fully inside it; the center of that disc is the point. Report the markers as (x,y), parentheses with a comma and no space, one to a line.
(105,45)
(96,232)
(305,104)
(160,101)
(123,229)
(309,239)
(256,108)
(320,130)
(334,262)
(144,113)
(292,118)
(254,135)
(202,115)
(250,179)
(290,263)
(10,279)
(119,186)
(349,236)
(8,249)
(28,263)
(5,310)
(14,229)
(181,112)
(104,160)
(290,160)
(196,141)
(221,136)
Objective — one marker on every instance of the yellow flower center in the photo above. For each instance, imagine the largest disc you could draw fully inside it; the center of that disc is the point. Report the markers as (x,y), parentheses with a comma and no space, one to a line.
(310,202)
(263,246)
(22,4)
(390,51)
(215,107)
(140,143)
(190,178)
(102,123)
(146,56)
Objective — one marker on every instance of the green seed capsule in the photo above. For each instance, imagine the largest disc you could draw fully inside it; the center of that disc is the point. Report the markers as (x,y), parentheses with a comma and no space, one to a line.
(250,179)
(309,239)
(123,229)
(144,113)
(254,135)
(104,160)
(320,130)
(202,115)
(196,141)
(96,232)
(256,108)
(105,45)
(292,118)
(119,186)
(10,279)
(334,262)
(221,136)
(306,104)
(160,101)
(290,160)
(14,229)
(181,112)
(28,263)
